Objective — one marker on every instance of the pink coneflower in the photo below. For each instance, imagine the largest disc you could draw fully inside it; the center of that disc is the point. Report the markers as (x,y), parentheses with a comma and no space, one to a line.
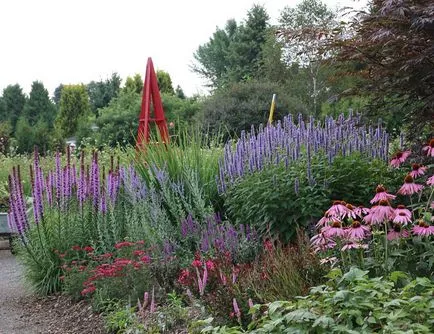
(417,170)
(350,213)
(380,213)
(402,218)
(334,230)
(353,245)
(409,187)
(402,209)
(361,211)
(423,229)
(329,260)
(429,148)
(357,231)
(321,242)
(338,209)
(324,221)
(381,195)
(397,233)
(430,181)
(399,158)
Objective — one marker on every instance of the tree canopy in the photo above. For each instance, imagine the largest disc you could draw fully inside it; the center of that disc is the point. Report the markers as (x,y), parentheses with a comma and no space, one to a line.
(234,53)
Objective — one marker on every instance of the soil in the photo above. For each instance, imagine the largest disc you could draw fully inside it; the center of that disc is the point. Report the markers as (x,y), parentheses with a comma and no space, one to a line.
(22,312)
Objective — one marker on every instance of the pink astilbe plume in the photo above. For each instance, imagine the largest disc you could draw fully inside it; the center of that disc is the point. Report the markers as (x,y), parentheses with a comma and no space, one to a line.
(382,195)
(417,170)
(409,187)
(429,149)
(399,158)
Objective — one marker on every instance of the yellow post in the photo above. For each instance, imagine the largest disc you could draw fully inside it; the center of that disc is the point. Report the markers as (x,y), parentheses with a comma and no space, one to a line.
(273,104)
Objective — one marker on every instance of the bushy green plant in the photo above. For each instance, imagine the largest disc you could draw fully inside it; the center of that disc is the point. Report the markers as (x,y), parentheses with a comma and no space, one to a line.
(279,198)
(122,319)
(384,235)
(191,160)
(239,105)
(349,303)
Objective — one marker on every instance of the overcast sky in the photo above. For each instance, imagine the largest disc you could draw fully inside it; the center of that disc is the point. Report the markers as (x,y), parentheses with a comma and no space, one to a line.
(69,42)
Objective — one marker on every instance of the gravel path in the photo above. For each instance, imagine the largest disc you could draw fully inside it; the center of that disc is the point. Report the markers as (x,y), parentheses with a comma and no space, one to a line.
(12,294)
(24,313)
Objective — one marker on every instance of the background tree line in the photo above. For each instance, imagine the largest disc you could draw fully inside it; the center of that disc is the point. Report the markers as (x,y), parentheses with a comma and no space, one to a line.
(379,61)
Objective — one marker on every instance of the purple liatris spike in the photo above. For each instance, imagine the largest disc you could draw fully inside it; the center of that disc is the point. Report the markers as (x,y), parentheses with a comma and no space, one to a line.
(236,308)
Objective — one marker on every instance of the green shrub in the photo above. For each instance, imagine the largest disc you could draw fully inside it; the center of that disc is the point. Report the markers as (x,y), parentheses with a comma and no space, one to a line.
(349,303)
(279,199)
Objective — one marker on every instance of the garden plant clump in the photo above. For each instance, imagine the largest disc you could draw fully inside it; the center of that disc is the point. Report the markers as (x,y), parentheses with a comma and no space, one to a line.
(147,246)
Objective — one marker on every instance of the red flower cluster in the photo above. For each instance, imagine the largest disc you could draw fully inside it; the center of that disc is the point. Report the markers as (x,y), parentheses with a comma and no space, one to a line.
(123,244)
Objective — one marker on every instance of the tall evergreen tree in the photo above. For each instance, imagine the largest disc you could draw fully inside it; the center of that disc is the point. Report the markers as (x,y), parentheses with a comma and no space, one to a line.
(165,82)
(134,84)
(39,106)
(57,94)
(102,92)
(74,106)
(234,54)
(13,103)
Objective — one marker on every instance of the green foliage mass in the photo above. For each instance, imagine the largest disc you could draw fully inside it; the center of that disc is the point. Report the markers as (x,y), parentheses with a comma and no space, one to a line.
(240,105)
(74,106)
(234,54)
(13,101)
(269,201)
(164,82)
(349,303)
(39,106)
(118,121)
(102,92)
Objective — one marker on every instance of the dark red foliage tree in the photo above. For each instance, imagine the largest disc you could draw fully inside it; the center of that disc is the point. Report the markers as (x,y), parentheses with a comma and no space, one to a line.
(392,47)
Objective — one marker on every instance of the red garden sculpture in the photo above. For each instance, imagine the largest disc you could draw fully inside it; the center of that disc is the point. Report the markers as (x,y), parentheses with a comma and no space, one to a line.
(150,89)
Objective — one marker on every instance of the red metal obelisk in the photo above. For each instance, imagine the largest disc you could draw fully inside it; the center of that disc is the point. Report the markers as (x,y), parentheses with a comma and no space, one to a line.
(151,90)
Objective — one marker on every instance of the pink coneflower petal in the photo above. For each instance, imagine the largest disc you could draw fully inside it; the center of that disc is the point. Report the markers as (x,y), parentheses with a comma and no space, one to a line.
(320,242)
(397,233)
(357,231)
(399,158)
(324,221)
(353,245)
(361,211)
(402,209)
(334,230)
(350,213)
(381,195)
(380,213)
(423,229)
(430,181)
(429,148)
(402,218)
(329,260)
(338,209)
(409,187)
(417,170)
